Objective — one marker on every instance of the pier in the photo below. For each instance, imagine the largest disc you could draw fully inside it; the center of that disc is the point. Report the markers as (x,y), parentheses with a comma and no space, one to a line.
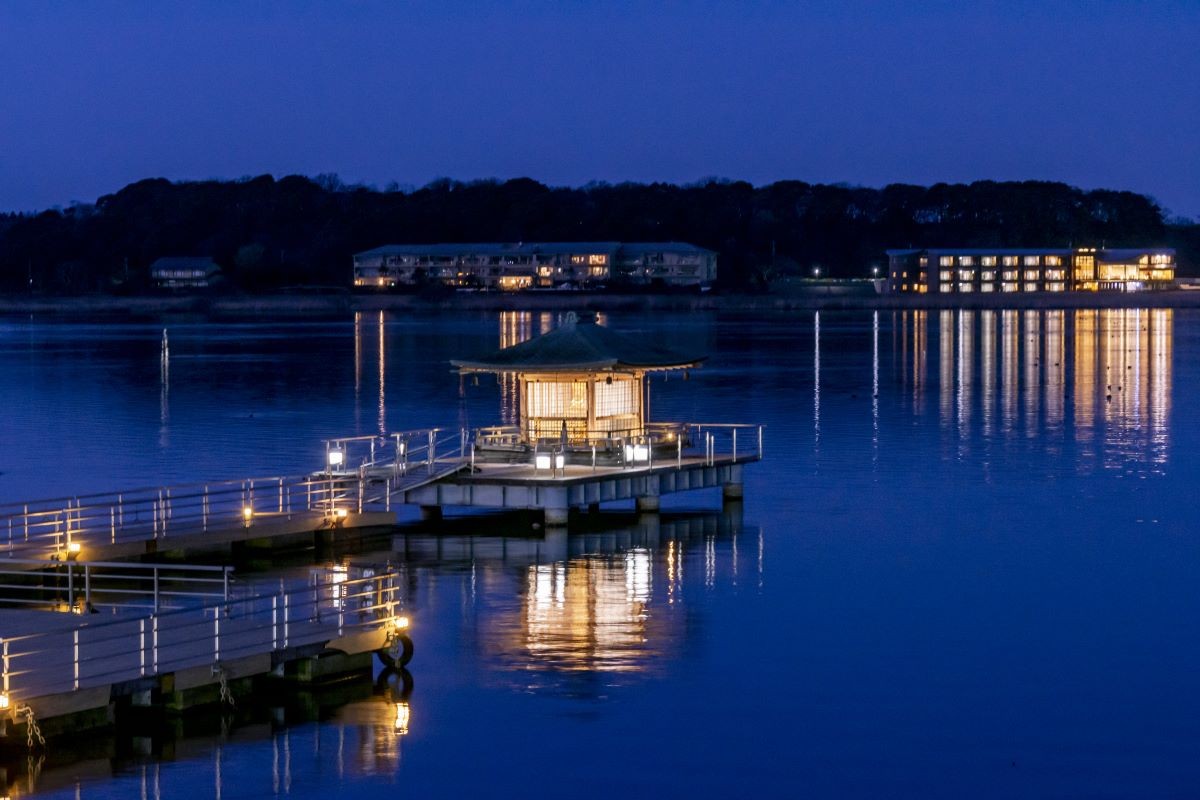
(175,635)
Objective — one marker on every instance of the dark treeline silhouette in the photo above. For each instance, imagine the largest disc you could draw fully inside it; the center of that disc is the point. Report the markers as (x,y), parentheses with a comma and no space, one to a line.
(269,233)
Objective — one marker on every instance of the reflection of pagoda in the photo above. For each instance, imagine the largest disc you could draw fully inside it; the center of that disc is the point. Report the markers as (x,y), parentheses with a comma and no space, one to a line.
(578,613)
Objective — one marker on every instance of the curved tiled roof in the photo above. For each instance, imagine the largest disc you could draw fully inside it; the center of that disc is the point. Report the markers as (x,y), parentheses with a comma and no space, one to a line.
(581,345)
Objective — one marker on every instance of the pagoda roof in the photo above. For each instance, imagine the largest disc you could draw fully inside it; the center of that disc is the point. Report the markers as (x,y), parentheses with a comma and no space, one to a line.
(578,345)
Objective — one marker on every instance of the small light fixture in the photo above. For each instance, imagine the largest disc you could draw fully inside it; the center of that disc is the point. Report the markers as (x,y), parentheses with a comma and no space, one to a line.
(74,548)
(335,458)
(247,515)
(560,461)
(541,462)
(400,623)
(340,513)
(4,701)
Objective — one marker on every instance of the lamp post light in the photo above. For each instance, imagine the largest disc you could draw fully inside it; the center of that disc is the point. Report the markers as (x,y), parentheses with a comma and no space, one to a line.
(816,272)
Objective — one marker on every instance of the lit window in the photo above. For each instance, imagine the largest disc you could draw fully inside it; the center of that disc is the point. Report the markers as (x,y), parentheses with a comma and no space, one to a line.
(1160,258)
(966,287)
(1031,261)
(598,259)
(578,259)
(987,287)
(966,274)
(1009,261)
(946,287)
(904,275)
(944,275)
(988,261)
(1056,286)
(1031,275)
(1009,274)
(988,275)
(1055,274)
(1008,287)
(923,261)
(1053,261)
(966,261)
(946,261)
(1031,287)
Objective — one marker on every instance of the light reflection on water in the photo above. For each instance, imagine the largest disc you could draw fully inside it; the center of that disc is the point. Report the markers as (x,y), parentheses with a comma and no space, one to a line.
(971,545)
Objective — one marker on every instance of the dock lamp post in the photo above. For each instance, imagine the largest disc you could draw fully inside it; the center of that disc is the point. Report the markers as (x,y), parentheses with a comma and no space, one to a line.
(816,272)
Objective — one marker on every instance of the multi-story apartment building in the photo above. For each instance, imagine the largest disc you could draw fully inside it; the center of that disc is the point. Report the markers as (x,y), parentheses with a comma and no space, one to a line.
(543,265)
(1046,269)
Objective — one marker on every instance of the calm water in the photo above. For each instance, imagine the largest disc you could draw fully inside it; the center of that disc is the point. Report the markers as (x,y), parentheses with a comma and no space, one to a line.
(968,566)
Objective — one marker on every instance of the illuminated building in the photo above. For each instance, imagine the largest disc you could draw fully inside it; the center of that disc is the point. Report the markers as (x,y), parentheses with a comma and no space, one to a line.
(582,381)
(544,265)
(996,270)
(184,273)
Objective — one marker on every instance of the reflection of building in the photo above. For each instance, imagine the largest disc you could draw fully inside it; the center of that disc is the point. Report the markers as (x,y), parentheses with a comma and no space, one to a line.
(967,270)
(525,265)
(1103,377)
(574,611)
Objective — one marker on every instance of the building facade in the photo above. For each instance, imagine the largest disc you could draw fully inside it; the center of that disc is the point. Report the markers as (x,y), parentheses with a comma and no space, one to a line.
(174,272)
(535,265)
(1048,269)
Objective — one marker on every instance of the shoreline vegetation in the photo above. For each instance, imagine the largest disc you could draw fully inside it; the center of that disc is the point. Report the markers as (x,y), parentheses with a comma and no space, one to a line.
(267,234)
(831,298)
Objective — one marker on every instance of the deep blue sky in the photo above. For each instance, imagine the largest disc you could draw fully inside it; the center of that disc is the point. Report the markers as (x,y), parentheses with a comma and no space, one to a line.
(1098,94)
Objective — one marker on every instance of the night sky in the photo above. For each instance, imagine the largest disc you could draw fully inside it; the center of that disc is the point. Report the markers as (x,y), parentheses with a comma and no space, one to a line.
(1097,94)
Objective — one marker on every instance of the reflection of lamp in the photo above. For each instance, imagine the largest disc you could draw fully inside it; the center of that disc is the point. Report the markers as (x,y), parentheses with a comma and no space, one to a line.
(403,714)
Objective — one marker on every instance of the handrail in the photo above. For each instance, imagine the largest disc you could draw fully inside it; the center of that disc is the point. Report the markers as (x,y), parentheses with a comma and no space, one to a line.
(93,653)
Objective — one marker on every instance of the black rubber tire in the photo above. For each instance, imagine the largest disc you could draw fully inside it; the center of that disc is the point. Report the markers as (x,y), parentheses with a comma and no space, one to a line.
(398,653)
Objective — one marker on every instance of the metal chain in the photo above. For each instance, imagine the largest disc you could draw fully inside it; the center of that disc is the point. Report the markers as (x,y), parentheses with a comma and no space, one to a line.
(32,730)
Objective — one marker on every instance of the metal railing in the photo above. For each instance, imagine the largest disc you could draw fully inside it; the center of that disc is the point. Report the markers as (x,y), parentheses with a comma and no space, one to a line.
(81,585)
(88,654)
(65,527)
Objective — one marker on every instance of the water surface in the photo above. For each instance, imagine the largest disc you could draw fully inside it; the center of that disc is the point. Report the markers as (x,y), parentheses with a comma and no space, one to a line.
(967,567)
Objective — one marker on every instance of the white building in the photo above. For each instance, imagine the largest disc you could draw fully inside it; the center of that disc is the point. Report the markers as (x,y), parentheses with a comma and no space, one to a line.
(535,265)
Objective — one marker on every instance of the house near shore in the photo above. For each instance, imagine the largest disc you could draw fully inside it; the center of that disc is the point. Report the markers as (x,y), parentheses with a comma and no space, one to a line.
(184,272)
(511,266)
(1039,269)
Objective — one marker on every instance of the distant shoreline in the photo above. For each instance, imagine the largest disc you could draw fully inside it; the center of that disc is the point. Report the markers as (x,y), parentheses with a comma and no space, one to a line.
(325,305)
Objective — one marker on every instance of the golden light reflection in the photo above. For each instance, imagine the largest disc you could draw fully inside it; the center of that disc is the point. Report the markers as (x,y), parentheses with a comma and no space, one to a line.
(515,327)
(1101,377)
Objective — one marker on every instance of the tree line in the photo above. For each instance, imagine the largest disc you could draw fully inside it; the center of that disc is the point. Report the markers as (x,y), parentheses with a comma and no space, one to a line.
(270,233)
